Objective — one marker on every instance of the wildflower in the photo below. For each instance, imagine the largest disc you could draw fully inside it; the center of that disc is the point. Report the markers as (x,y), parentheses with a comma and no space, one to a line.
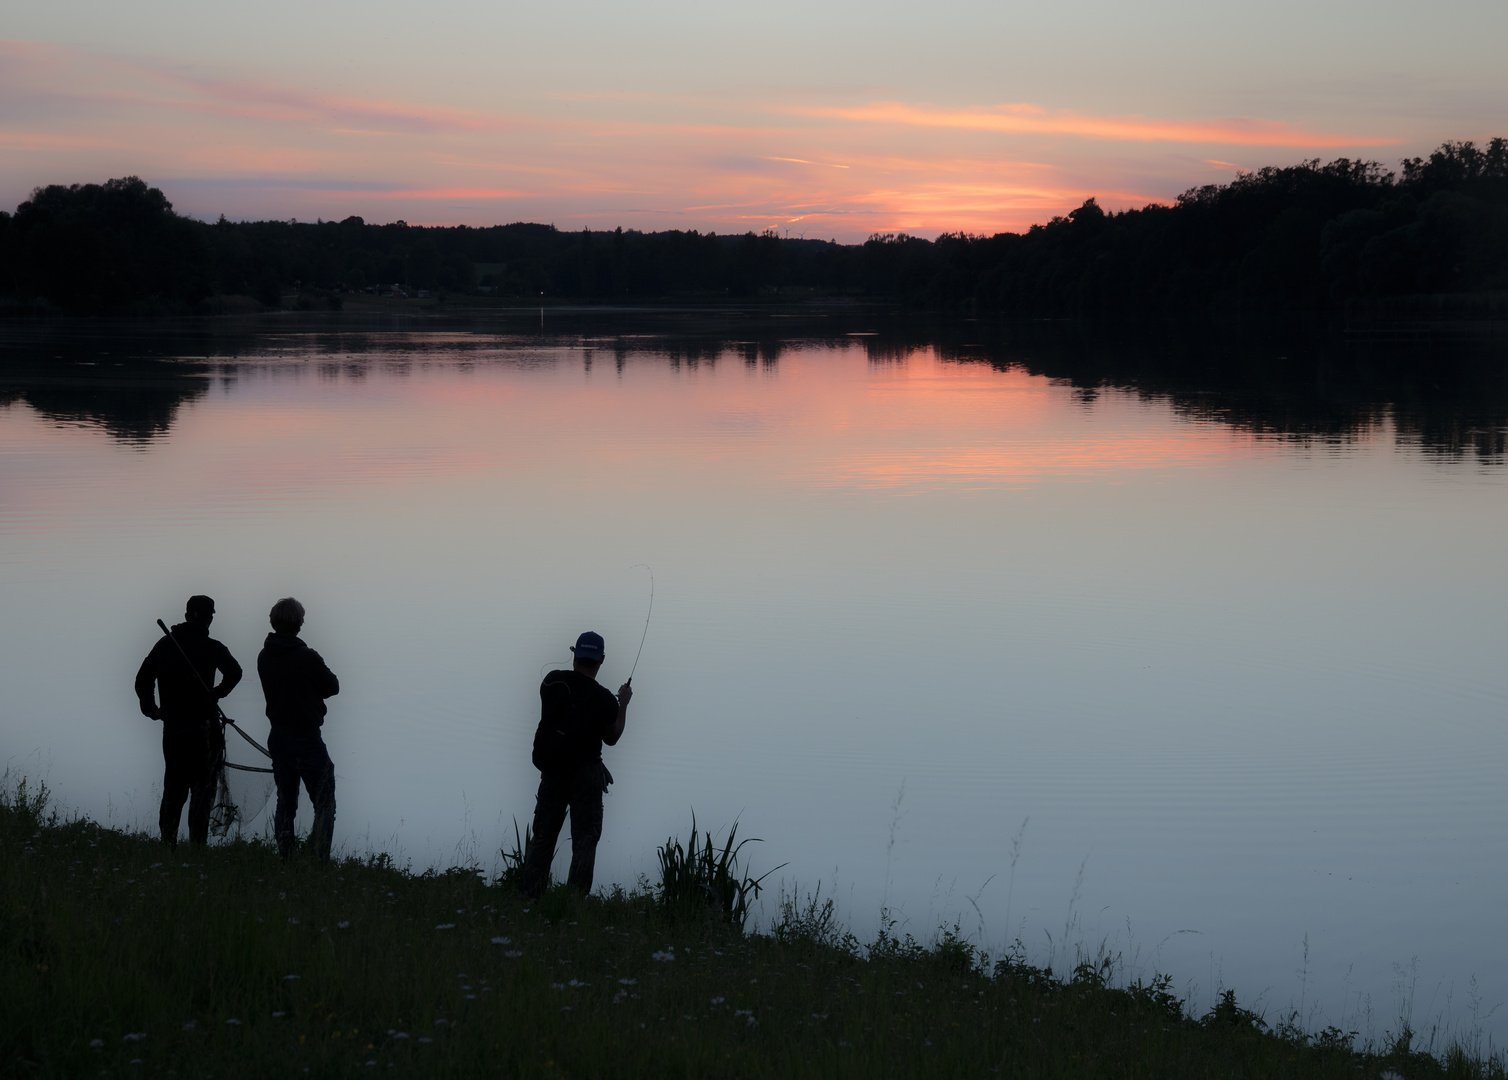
(96,1043)
(577,982)
(290,978)
(628,982)
(446,926)
(557,986)
(743,1012)
(343,924)
(513,952)
(425,1039)
(502,941)
(292,922)
(663,954)
(718,1000)
(134,1036)
(233,1022)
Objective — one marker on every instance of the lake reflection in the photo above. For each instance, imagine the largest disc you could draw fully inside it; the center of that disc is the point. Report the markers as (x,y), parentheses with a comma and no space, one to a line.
(1221,616)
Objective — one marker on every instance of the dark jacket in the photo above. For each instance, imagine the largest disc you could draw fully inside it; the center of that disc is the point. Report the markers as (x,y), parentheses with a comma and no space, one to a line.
(575,713)
(295,683)
(185,704)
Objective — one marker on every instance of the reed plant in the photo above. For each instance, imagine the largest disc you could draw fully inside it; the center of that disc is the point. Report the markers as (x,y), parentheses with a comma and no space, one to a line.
(119,957)
(704,881)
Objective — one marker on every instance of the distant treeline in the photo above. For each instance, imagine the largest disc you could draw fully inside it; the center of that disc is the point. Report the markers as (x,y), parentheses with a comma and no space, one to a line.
(1310,236)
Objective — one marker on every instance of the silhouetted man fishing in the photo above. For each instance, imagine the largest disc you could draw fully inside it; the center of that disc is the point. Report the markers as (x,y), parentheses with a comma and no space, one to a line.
(180,672)
(295,682)
(577,715)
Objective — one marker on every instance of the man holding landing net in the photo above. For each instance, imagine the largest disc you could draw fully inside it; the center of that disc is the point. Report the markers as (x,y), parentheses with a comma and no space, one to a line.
(577,715)
(180,670)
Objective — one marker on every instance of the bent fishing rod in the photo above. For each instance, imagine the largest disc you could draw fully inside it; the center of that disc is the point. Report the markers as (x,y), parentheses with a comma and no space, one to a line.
(223,718)
(647,615)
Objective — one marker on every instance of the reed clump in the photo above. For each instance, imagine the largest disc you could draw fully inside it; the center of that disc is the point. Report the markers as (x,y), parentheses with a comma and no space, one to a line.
(120,958)
(704,881)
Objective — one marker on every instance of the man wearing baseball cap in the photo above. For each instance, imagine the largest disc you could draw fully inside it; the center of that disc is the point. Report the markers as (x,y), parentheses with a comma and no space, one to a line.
(188,715)
(577,715)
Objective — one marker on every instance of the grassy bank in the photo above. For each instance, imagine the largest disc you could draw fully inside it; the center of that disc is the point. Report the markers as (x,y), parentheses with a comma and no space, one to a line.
(121,958)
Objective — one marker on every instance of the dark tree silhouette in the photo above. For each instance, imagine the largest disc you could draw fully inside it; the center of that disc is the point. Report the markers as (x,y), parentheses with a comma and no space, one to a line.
(1309,237)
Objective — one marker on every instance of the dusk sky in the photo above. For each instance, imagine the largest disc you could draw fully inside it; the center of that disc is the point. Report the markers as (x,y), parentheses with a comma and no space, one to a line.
(826,119)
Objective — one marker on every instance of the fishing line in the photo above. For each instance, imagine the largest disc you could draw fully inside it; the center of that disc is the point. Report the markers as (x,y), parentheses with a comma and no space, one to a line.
(647,615)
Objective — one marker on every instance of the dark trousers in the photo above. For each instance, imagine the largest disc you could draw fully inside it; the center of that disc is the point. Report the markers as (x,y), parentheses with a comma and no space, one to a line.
(186,778)
(581,794)
(302,759)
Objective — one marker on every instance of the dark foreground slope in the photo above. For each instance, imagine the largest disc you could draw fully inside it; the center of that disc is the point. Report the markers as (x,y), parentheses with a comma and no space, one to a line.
(1307,237)
(120,959)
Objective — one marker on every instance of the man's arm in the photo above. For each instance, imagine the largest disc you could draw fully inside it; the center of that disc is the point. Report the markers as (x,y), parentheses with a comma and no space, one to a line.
(323,679)
(230,673)
(615,730)
(146,682)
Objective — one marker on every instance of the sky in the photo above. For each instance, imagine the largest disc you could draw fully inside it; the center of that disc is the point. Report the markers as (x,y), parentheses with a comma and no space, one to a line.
(830,119)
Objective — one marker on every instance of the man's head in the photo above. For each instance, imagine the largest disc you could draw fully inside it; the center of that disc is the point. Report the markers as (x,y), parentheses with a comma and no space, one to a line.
(287,616)
(589,653)
(199,610)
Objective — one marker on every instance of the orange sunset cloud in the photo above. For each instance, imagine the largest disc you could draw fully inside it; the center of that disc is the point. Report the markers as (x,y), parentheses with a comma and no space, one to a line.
(1033,119)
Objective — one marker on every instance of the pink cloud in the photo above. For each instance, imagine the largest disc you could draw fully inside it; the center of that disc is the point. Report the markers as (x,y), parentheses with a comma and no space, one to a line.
(1035,120)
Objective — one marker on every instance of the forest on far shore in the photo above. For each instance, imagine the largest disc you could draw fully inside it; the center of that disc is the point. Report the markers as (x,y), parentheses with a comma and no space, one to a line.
(1308,237)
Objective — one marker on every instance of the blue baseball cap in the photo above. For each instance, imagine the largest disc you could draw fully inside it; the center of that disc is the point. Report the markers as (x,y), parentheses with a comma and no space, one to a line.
(588,646)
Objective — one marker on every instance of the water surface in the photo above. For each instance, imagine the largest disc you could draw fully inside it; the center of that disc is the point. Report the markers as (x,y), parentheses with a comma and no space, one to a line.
(1186,646)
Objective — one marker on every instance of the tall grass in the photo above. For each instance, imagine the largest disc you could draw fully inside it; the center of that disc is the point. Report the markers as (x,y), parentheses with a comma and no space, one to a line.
(118,957)
(704,881)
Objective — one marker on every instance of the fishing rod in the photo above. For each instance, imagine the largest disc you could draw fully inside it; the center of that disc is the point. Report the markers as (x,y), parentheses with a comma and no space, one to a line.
(223,718)
(647,615)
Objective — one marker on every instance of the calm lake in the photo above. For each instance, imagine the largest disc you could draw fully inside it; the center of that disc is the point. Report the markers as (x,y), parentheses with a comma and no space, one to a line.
(1184,645)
